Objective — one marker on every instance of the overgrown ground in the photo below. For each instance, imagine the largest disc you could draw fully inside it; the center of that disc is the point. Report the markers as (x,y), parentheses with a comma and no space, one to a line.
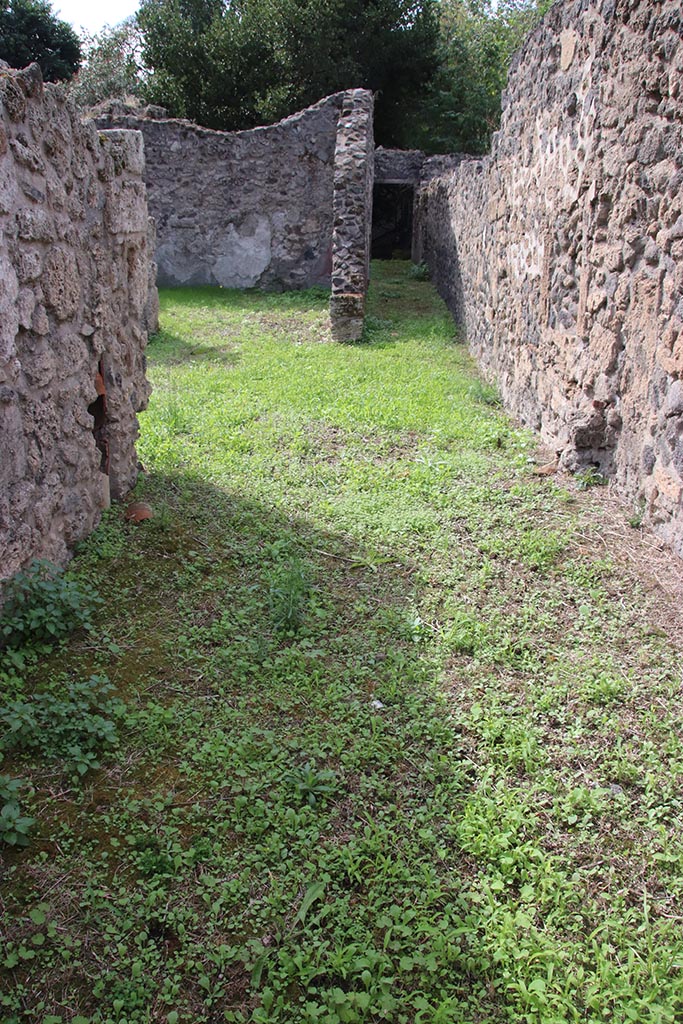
(398,738)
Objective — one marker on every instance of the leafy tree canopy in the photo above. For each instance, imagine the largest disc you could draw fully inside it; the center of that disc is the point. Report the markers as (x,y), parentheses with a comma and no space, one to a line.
(247,62)
(478,38)
(29,31)
(112,65)
(437,67)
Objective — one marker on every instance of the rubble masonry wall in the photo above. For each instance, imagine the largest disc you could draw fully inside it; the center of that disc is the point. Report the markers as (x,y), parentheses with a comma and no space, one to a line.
(562,252)
(242,209)
(75,306)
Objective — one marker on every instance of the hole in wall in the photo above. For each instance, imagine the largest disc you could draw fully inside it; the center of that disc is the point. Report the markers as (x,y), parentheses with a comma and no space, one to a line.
(392,222)
(98,410)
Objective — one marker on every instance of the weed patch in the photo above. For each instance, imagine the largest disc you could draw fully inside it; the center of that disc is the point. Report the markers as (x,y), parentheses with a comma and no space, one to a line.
(391,736)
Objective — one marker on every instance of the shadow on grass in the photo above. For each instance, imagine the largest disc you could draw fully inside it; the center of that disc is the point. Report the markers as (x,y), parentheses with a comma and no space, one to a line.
(168,349)
(282,735)
(227,543)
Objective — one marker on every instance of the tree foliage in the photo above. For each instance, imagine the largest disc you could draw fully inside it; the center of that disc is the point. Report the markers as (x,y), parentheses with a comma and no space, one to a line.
(478,39)
(247,62)
(112,65)
(437,67)
(30,31)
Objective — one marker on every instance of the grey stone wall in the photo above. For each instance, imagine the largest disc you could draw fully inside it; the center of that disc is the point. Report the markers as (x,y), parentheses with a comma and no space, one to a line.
(562,252)
(242,209)
(398,166)
(353,179)
(75,305)
(284,206)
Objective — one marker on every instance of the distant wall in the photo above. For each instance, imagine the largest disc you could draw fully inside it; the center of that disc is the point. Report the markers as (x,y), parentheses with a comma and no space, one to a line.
(280,207)
(242,209)
(398,166)
(562,252)
(75,307)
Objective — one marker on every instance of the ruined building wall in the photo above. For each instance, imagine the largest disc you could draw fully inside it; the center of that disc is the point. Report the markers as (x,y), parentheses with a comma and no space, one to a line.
(352,209)
(562,252)
(285,206)
(242,209)
(75,305)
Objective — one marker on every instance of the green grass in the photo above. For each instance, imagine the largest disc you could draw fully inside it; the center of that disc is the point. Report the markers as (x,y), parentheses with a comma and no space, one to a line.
(399,743)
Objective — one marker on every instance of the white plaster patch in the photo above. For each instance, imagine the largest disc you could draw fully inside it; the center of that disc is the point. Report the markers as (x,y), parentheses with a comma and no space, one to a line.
(180,265)
(244,253)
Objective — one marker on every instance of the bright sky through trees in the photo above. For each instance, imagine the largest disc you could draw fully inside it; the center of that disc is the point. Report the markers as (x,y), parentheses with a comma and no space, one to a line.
(93,16)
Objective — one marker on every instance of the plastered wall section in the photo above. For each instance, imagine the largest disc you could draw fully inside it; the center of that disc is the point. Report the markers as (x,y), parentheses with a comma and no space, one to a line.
(562,252)
(75,306)
(352,207)
(242,209)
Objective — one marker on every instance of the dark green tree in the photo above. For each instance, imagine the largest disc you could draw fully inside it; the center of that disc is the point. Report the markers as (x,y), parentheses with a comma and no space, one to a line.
(478,39)
(247,62)
(30,31)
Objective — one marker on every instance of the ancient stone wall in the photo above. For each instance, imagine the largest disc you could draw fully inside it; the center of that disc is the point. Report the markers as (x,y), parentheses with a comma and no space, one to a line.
(279,207)
(398,166)
(562,252)
(242,209)
(75,305)
(353,178)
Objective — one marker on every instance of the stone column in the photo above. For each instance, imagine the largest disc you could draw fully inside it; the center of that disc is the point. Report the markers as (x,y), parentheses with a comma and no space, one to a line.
(352,212)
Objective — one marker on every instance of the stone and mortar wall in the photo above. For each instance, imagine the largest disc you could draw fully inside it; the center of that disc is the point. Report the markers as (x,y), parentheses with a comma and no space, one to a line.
(242,209)
(562,252)
(75,306)
(353,179)
(398,166)
(280,207)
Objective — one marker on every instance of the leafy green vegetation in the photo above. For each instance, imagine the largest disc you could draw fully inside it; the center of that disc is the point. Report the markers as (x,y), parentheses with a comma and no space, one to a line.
(31,31)
(437,67)
(111,65)
(14,825)
(71,721)
(42,605)
(397,738)
(477,41)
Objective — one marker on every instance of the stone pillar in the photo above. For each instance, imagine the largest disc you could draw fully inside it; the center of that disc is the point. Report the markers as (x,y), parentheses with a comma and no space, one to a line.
(352,213)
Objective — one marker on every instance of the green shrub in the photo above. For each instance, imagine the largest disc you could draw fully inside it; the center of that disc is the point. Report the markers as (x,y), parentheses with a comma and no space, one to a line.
(14,826)
(73,725)
(41,606)
(420,271)
(590,477)
(486,394)
(288,595)
(311,785)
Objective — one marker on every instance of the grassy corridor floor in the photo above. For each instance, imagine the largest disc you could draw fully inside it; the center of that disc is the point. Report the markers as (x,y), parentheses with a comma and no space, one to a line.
(392,737)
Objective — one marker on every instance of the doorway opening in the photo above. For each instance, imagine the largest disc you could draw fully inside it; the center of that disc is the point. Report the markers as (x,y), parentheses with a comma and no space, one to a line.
(392,222)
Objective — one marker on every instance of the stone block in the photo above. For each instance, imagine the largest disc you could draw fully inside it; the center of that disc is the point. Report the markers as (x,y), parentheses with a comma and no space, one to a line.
(126,208)
(61,283)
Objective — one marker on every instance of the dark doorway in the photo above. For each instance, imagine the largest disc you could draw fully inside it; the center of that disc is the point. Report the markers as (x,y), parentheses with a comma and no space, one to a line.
(392,222)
